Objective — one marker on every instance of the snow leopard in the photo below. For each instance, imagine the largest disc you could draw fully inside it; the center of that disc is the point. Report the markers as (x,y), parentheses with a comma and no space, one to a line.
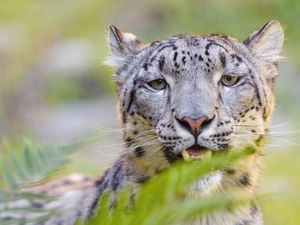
(180,98)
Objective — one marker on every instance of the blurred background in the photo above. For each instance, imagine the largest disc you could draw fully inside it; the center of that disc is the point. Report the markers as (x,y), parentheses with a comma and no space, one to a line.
(55,89)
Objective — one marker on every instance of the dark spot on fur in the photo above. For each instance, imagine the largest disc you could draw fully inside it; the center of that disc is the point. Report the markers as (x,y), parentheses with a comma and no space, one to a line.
(153,58)
(230,171)
(244,180)
(265,114)
(235,56)
(259,140)
(175,56)
(222,59)
(161,62)
(200,58)
(165,46)
(169,155)
(145,66)
(139,151)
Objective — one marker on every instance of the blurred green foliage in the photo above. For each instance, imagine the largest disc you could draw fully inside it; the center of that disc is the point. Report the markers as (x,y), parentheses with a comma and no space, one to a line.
(161,200)
(29,30)
(28,164)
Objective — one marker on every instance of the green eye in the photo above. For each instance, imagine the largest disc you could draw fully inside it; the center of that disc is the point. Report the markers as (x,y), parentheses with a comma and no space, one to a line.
(158,84)
(229,80)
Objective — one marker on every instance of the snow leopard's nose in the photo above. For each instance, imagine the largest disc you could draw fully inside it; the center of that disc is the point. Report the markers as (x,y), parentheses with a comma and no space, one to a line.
(194,126)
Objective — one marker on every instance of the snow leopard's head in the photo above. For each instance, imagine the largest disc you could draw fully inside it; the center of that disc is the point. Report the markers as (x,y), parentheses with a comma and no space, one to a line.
(194,94)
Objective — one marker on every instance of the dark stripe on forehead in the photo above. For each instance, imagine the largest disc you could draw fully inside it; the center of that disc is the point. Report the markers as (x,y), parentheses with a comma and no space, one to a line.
(175,56)
(161,62)
(161,47)
(235,56)
(167,46)
(222,58)
(211,43)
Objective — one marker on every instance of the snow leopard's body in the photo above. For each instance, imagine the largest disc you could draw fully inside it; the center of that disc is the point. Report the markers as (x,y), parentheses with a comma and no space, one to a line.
(171,97)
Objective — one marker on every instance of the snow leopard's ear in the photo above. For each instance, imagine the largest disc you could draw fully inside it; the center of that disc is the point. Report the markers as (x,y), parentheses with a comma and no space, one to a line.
(122,45)
(267,42)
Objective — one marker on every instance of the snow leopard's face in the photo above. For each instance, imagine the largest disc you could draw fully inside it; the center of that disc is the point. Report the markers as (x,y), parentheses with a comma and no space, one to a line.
(194,94)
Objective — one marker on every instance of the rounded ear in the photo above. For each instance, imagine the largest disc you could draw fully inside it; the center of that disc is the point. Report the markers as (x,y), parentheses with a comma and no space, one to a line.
(267,42)
(122,46)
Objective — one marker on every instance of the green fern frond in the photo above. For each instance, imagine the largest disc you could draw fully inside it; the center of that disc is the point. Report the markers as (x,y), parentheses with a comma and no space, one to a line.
(163,200)
(31,164)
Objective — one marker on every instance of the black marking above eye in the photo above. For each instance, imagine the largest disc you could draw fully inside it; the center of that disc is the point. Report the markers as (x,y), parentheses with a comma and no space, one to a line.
(222,59)
(161,62)
(175,56)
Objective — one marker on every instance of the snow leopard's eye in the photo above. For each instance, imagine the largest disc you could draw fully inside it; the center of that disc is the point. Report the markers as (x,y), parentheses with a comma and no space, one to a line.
(158,84)
(229,80)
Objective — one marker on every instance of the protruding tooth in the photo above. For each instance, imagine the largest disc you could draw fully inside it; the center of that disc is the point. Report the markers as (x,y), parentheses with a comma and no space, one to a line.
(205,156)
(186,155)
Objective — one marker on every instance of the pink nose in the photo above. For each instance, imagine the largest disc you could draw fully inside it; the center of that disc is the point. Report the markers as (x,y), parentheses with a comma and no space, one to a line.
(193,125)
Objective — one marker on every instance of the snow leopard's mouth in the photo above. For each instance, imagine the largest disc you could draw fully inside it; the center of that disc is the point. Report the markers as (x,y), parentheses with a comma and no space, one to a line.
(196,152)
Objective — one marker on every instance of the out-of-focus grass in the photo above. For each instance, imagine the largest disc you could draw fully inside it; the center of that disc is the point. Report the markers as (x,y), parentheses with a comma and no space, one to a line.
(281,184)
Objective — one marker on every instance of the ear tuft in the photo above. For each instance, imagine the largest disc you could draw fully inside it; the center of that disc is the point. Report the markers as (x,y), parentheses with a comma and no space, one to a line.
(122,45)
(115,38)
(267,43)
